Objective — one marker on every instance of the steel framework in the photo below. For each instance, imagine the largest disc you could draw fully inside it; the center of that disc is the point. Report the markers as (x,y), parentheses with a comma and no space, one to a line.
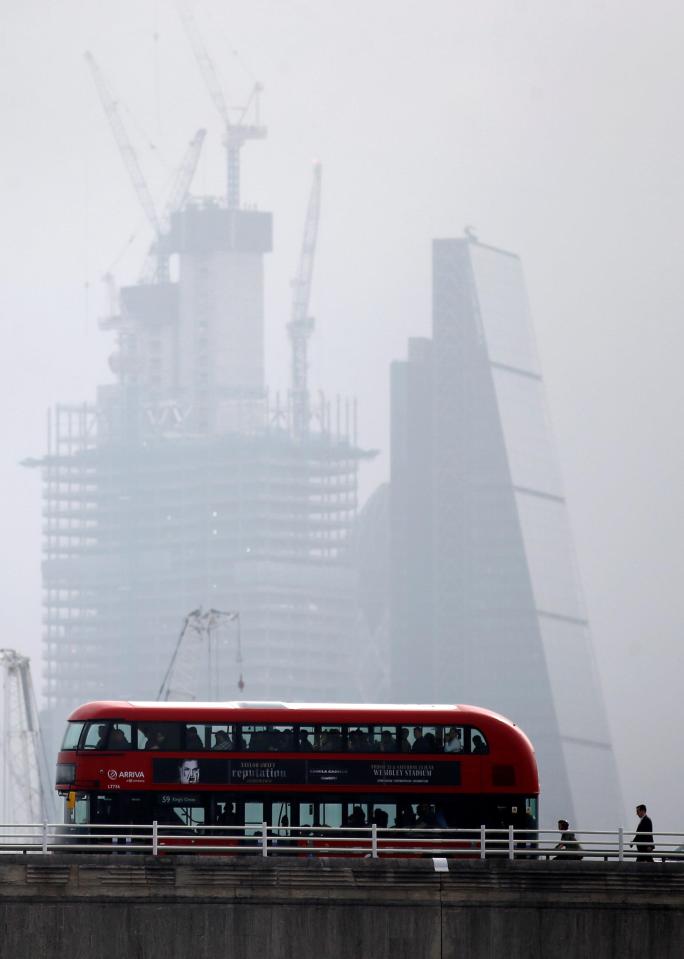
(26,789)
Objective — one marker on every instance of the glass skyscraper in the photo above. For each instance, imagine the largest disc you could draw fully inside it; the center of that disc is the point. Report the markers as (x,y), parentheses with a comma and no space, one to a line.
(485,601)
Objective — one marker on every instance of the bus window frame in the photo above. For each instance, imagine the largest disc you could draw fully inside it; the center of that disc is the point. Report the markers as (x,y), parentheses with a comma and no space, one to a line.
(315,730)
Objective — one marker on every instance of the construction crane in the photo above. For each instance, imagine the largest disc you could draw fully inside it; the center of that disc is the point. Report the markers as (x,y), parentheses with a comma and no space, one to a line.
(181,184)
(158,260)
(237,132)
(301,325)
(196,647)
(26,791)
(182,181)
(125,147)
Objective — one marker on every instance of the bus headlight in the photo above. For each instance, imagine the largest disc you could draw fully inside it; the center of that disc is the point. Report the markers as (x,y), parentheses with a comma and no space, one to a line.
(66,773)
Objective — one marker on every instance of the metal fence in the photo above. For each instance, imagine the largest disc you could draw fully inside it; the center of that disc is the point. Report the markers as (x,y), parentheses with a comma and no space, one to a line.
(160,839)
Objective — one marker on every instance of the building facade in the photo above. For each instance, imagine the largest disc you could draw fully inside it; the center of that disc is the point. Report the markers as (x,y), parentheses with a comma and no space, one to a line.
(485,602)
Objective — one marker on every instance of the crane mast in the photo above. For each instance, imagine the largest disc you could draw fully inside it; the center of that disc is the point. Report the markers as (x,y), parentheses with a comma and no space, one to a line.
(301,325)
(197,652)
(236,133)
(26,790)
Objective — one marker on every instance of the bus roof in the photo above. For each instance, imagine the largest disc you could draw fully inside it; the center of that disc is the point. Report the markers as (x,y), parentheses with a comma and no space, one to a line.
(245,711)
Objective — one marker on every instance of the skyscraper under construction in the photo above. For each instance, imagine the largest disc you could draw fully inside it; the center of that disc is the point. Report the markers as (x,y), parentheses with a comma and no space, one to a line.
(182,487)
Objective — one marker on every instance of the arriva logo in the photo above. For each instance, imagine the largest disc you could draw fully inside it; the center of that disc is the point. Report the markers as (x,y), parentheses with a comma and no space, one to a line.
(127,774)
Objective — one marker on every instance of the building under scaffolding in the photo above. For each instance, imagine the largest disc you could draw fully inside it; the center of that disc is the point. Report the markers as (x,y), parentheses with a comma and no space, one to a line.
(139,533)
(183,487)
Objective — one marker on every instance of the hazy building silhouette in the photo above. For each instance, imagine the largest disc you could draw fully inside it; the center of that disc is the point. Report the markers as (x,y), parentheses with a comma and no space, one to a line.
(182,486)
(370,555)
(485,603)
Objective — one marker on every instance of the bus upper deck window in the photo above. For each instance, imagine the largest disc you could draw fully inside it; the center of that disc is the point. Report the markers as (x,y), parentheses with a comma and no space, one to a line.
(267,738)
(96,735)
(159,736)
(218,736)
(120,736)
(107,735)
(478,743)
(360,739)
(328,739)
(454,739)
(426,739)
(72,735)
(385,739)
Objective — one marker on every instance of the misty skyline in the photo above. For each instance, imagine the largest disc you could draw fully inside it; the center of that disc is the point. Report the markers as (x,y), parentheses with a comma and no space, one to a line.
(551,130)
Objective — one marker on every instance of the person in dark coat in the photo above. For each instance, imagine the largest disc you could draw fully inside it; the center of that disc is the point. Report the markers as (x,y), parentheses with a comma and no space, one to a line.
(643,838)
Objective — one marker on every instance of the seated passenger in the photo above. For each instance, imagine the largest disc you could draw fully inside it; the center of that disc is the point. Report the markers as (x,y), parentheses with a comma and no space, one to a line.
(479,745)
(404,744)
(192,739)
(388,743)
(380,818)
(157,740)
(428,744)
(359,742)
(405,818)
(228,817)
(223,740)
(332,741)
(426,818)
(357,817)
(118,740)
(305,745)
(418,740)
(454,741)
(102,733)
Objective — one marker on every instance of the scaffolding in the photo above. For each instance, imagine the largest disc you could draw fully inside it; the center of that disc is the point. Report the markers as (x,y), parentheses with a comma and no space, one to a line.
(137,532)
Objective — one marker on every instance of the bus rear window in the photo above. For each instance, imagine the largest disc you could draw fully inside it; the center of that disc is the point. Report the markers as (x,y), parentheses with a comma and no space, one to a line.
(72,735)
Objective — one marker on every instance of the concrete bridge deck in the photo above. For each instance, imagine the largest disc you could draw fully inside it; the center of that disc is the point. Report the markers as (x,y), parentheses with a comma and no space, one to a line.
(190,907)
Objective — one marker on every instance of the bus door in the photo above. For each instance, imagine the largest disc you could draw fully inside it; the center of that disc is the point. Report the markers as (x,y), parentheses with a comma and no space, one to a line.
(316,817)
(77,809)
(181,809)
(252,814)
(107,811)
(285,813)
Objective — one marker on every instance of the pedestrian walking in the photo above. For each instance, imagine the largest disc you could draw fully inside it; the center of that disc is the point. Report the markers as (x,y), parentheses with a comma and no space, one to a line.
(643,838)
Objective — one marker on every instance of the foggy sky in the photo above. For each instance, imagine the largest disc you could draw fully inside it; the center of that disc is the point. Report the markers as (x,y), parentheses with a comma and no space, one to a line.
(553,128)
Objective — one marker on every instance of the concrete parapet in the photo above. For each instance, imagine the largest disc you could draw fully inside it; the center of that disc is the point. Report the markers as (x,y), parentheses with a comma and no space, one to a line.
(102,907)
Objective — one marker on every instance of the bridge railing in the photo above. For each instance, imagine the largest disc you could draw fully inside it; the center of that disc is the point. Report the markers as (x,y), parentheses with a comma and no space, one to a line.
(160,839)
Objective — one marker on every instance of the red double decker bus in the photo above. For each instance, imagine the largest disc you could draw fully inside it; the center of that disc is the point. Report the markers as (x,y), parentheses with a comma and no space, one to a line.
(300,765)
